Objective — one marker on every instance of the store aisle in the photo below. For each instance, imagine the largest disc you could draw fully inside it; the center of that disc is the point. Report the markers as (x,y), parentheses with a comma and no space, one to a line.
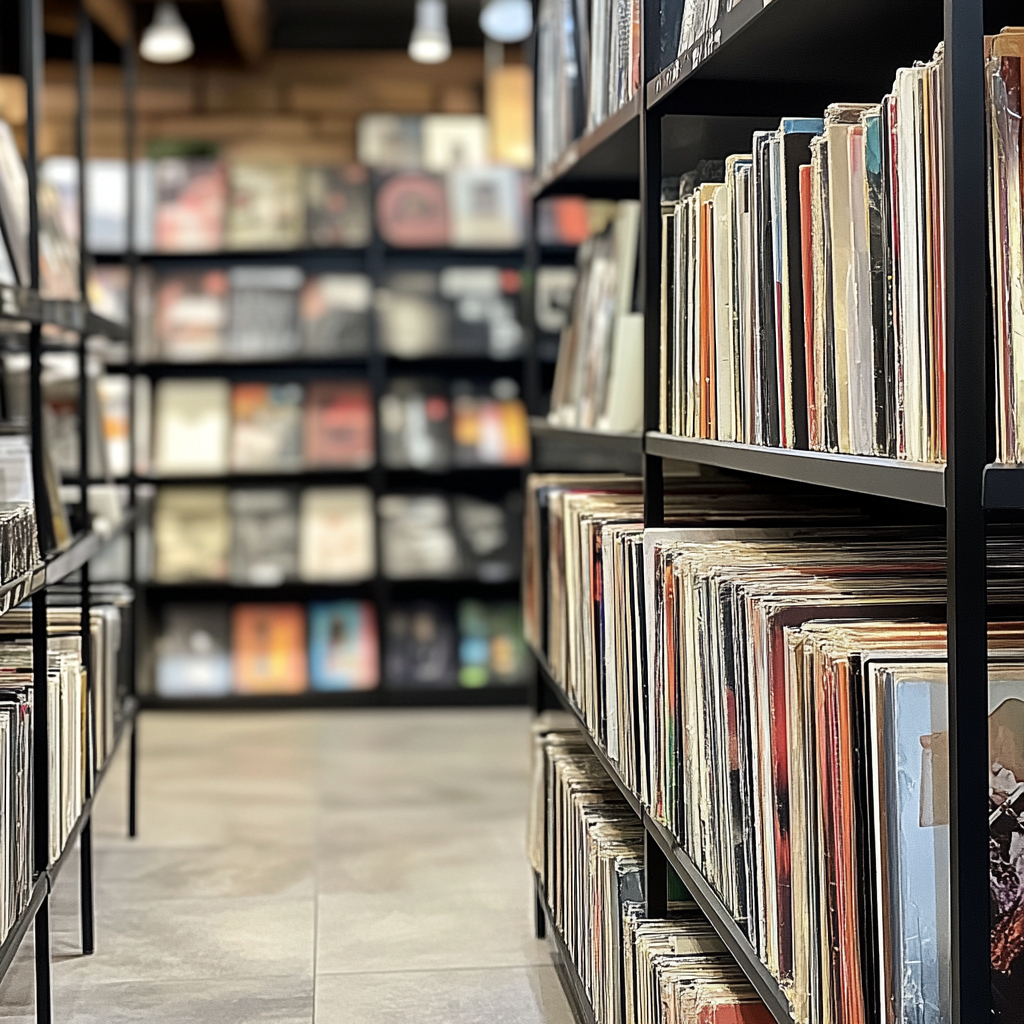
(339,867)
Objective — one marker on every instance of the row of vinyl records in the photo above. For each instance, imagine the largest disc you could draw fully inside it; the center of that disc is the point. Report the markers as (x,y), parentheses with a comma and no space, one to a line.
(271,535)
(214,426)
(588,67)
(587,848)
(598,381)
(82,716)
(210,650)
(278,312)
(202,204)
(803,284)
(194,202)
(768,676)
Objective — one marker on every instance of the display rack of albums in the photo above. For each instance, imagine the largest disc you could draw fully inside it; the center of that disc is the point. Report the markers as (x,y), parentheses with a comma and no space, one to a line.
(768,783)
(336,439)
(67,694)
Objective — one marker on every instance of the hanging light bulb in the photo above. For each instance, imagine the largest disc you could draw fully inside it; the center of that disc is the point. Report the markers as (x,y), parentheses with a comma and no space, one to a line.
(430,42)
(167,39)
(506,21)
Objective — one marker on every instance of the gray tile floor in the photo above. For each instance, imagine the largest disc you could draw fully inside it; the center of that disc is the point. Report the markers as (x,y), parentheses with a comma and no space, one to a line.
(360,867)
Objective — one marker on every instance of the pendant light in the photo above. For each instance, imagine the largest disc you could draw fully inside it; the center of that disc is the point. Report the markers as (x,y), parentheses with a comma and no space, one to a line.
(430,42)
(506,21)
(167,39)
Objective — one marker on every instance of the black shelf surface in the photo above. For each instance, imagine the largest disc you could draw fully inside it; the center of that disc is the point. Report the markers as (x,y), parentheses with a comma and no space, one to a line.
(86,546)
(21,587)
(254,478)
(271,367)
(847,47)
(703,895)
(11,944)
(602,162)
(222,256)
(452,697)
(1003,487)
(71,314)
(566,449)
(921,483)
(568,975)
(311,254)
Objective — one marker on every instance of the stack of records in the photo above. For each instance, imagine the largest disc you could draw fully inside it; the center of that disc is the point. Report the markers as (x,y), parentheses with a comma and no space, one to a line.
(770,681)
(16,867)
(802,284)
(599,378)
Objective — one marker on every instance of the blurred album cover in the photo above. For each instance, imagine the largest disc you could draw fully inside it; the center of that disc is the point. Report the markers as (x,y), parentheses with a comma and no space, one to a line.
(415,425)
(492,651)
(418,537)
(193,426)
(338,211)
(269,648)
(389,141)
(562,220)
(265,536)
(266,208)
(337,541)
(191,201)
(485,303)
(191,315)
(489,536)
(264,303)
(486,207)
(191,534)
(334,314)
(412,211)
(266,427)
(412,320)
(339,425)
(454,140)
(489,424)
(344,649)
(421,649)
(193,651)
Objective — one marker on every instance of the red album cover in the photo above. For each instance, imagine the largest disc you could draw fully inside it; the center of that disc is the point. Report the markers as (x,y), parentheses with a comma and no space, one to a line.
(412,212)
(339,425)
(191,201)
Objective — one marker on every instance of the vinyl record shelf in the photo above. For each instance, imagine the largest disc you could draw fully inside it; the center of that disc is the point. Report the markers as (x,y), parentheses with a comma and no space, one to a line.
(765,61)
(378,368)
(676,858)
(64,570)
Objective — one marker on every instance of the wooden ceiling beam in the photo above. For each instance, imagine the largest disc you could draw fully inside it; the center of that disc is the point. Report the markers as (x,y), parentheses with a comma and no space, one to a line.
(249,22)
(114,17)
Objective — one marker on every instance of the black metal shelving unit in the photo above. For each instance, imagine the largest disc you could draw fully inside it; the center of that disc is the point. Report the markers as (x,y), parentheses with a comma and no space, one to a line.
(792,58)
(64,569)
(378,368)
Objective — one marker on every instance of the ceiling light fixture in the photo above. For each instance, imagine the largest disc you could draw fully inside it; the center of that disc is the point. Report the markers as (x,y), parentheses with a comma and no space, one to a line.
(507,21)
(430,42)
(167,39)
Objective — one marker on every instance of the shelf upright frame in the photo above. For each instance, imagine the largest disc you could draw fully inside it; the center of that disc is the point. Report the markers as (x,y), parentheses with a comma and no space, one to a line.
(129,77)
(83,79)
(650,258)
(31,22)
(967,449)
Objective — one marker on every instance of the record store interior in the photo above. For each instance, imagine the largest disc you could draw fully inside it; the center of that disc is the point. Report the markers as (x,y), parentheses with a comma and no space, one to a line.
(507,510)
